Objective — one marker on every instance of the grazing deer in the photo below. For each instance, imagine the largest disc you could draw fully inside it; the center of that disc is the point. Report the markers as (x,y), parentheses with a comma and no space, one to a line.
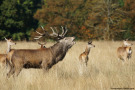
(40,58)
(83,58)
(3,56)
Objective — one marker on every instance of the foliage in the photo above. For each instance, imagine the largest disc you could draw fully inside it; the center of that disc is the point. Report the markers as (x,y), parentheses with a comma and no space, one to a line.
(16,16)
(104,19)
(85,19)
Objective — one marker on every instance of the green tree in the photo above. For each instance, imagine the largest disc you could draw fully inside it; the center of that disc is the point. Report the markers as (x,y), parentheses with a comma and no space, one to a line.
(70,13)
(16,16)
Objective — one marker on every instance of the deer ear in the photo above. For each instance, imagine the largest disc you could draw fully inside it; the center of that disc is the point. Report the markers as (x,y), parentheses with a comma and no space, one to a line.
(89,42)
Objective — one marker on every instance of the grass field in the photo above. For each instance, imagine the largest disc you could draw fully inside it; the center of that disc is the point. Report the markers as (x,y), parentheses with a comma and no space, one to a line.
(104,71)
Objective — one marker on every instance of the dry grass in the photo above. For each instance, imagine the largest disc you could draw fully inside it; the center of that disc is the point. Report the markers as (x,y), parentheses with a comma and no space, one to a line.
(104,71)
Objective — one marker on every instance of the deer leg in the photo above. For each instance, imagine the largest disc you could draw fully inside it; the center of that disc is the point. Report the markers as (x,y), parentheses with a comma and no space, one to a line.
(45,66)
(81,68)
(129,56)
(124,60)
(18,70)
(11,71)
(18,66)
(86,63)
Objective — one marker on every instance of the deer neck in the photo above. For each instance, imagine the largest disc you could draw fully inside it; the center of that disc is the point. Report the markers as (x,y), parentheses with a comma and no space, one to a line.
(87,50)
(59,51)
(8,48)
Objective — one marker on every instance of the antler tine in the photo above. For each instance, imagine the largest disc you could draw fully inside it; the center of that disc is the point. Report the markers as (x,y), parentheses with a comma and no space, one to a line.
(62,31)
(42,43)
(5,38)
(39,43)
(65,31)
(39,33)
(37,37)
(54,33)
(56,29)
(43,29)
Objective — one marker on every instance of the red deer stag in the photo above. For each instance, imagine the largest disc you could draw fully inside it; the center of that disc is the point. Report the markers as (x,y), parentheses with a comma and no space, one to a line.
(41,58)
(83,58)
(3,56)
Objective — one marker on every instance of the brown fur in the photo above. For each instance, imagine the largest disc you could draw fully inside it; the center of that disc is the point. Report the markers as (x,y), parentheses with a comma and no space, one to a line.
(2,59)
(3,56)
(123,53)
(84,56)
(38,58)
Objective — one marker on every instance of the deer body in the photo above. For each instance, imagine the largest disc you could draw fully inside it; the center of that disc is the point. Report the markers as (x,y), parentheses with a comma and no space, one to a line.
(2,59)
(3,56)
(83,58)
(124,53)
(39,58)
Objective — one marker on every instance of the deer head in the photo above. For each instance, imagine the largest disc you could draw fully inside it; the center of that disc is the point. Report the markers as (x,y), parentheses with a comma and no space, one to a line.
(59,37)
(126,43)
(10,42)
(90,44)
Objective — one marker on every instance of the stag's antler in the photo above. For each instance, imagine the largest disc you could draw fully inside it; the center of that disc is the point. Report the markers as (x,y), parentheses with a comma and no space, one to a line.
(41,43)
(40,34)
(54,34)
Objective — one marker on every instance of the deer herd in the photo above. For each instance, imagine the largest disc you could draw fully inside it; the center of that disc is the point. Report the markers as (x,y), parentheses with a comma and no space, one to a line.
(45,58)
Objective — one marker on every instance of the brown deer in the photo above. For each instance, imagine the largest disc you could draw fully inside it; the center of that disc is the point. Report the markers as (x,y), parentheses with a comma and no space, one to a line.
(40,58)
(126,43)
(125,51)
(83,58)
(3,56)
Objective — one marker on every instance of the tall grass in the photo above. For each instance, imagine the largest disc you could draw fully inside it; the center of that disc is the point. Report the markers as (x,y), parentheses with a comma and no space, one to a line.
(104,71)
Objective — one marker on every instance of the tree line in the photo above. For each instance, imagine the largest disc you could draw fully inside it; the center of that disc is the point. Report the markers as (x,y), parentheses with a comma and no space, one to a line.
(85,19)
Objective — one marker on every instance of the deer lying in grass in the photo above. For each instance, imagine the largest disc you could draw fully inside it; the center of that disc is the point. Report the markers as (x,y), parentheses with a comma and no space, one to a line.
(3,56)
(125,51)
(83,58)
(40,58)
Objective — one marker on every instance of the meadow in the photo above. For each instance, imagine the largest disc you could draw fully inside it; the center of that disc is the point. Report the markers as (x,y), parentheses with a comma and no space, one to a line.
(104,71)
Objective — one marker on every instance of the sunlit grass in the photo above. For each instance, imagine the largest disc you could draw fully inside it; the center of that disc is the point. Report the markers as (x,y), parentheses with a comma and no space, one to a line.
(104,71)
